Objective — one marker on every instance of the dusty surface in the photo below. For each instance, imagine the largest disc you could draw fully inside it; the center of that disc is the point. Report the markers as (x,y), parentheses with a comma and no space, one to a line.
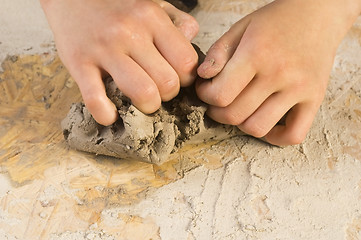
(237,189)
(150,138)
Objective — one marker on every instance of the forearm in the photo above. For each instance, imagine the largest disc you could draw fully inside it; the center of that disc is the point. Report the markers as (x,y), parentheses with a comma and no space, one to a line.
(332,18)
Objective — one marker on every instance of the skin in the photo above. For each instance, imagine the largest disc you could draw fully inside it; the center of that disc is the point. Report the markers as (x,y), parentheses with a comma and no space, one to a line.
(135,41)
(273,62)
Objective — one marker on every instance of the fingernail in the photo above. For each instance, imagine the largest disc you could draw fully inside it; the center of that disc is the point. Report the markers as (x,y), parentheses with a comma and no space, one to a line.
(205,67)
(207,64)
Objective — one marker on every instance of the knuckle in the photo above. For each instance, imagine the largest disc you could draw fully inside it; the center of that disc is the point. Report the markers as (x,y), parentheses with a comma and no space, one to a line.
(262,48)
(119,28)
(283,69)
(189,62)
(221,52)
(190,22)
(219,45)
(233,118)
(193,23)
(148,9)
(299,83)
(74,58)
(296,138)
(145,94)
(221,99)
(254,129)
(169,85)
(188,27)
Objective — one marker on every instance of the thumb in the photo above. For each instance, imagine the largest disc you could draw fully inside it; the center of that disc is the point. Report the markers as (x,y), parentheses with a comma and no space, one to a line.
(222,50)
(185,23)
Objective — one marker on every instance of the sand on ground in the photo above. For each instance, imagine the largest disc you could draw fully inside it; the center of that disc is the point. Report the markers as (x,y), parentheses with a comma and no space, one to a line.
(240,188)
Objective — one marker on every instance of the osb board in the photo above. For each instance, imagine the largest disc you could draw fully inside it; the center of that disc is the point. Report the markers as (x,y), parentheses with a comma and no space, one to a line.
(59,189)
(55,189)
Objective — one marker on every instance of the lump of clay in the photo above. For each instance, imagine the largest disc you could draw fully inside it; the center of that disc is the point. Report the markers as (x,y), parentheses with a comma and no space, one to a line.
(137,136)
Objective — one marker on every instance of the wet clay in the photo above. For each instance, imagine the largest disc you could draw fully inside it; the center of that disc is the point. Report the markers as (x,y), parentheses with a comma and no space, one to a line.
(137,136)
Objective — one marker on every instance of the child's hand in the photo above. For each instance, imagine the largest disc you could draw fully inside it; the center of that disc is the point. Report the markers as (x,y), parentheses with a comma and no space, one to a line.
(275,61)
(135,41)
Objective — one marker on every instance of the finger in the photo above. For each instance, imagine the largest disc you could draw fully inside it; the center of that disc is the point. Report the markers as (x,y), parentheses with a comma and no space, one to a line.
(223,89)
(222,50)
(164,76)
(235,75)
(134,82)
(92,89)
(245,104)
(185,23)
(267,115)
(178,51)
(298,123)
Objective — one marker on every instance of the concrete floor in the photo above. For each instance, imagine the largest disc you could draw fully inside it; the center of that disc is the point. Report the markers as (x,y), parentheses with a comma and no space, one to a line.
(241,188)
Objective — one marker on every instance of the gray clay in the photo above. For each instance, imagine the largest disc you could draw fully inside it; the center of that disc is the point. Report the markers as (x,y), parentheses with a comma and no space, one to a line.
(137,136)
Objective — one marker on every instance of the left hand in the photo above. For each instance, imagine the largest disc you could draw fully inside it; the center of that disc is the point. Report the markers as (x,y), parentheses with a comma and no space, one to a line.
(275,61)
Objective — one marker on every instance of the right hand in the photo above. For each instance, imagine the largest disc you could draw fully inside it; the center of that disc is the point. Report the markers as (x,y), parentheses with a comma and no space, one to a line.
(275,63)
(134,41)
